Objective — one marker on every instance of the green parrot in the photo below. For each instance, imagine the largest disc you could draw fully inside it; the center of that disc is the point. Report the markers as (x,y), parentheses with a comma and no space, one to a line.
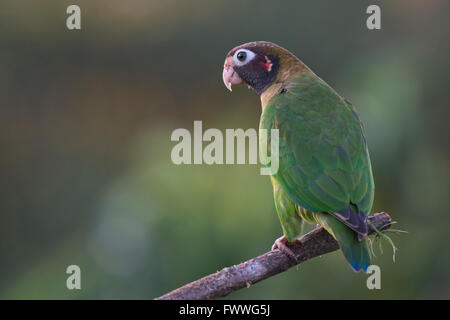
(324,175)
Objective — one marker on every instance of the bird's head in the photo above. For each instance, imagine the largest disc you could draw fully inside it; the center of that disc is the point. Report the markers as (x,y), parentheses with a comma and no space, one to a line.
(259,64)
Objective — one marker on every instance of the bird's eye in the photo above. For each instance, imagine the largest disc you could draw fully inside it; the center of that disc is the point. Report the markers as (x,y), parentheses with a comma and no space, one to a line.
(243,56)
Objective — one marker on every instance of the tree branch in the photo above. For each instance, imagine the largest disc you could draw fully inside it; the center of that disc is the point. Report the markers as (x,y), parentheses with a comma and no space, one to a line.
(315,243)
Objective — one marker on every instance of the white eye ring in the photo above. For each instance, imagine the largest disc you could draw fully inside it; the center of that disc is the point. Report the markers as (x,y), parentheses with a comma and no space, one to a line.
(249,56)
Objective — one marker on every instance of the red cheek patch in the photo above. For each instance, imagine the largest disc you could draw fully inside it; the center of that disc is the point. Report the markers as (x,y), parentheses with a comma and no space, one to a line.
(267,65)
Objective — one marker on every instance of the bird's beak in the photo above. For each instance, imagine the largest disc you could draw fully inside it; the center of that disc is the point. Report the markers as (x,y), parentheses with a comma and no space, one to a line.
(230,76)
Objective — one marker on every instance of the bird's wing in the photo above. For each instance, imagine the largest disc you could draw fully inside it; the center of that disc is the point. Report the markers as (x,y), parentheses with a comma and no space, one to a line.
(324,163)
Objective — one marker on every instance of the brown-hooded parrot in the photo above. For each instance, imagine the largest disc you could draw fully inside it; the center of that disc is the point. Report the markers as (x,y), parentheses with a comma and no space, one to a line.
(324,174)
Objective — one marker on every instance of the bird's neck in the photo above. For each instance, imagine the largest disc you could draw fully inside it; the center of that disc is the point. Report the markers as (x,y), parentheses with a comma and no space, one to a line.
(269,93)
(284,81)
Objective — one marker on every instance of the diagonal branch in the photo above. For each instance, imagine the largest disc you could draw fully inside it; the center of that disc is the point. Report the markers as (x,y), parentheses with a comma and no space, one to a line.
(315,243)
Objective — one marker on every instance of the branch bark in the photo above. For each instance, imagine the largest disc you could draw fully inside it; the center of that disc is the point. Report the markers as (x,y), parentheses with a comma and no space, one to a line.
(315,243)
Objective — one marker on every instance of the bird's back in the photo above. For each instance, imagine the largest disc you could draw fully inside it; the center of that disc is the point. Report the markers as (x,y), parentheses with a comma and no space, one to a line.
(324,160)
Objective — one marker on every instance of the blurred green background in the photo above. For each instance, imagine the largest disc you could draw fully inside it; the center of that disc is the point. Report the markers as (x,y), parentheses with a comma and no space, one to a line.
(85,124)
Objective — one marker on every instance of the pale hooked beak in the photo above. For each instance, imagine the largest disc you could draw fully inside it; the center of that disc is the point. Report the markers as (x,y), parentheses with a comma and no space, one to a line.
(230,76)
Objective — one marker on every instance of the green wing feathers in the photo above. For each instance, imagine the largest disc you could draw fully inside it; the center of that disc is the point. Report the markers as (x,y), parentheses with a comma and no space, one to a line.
(324,161)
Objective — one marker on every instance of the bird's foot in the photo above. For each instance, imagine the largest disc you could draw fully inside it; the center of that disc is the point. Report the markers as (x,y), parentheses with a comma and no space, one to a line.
(280,244)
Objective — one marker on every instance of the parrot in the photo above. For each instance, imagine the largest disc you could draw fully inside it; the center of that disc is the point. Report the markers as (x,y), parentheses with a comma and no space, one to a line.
(325,174)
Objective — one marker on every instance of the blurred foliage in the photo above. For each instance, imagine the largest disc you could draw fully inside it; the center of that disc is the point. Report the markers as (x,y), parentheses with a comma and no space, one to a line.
(85,124)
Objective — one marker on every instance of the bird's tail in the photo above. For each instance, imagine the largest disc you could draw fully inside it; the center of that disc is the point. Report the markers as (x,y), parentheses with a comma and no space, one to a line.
(355,251)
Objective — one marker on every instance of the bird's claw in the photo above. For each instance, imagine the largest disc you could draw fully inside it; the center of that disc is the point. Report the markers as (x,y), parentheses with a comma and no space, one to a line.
(280,244)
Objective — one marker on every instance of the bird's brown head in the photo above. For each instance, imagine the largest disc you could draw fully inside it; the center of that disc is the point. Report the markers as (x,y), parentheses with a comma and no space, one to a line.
(258,64)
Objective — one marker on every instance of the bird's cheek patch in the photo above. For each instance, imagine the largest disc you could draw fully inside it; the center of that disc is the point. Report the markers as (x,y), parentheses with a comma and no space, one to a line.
(267,64)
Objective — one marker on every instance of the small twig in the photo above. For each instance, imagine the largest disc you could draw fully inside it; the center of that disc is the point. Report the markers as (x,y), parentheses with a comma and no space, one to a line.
(315,243)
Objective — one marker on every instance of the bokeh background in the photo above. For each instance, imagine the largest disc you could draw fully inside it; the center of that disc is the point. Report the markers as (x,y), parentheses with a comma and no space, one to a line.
(85,124)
